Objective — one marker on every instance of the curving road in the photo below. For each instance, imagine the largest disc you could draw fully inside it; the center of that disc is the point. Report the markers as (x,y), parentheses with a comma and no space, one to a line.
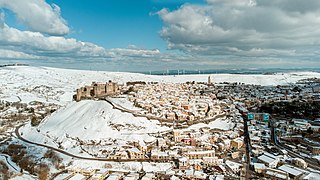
(162,120)
(8,162)
(76,156)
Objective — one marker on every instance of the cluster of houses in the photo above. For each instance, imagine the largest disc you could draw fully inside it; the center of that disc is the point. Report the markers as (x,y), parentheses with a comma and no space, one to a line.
(173,101)
(300,136)
(192,153)
(271,162)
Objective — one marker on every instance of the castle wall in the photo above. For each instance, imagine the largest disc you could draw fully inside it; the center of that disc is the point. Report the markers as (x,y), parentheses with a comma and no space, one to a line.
(97,90)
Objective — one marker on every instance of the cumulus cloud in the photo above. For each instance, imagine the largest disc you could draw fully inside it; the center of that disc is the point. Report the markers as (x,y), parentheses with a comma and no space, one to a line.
(41,42)
(38,15)
(53,46)
(244,28)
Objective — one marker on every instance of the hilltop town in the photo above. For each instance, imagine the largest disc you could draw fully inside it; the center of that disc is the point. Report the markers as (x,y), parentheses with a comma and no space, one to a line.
(212,152)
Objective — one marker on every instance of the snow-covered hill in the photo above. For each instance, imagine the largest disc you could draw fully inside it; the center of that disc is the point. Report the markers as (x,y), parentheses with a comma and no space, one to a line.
(94,123)
(58,85)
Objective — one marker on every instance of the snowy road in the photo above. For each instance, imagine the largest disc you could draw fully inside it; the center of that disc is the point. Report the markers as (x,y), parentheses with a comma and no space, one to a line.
(10,163)
(76,156)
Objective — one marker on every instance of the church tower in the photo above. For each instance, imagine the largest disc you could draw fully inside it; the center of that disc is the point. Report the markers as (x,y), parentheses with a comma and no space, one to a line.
(209,80)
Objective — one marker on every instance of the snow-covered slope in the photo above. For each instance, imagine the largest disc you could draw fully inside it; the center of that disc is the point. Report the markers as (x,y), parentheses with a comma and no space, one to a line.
(92,122)
(58,85)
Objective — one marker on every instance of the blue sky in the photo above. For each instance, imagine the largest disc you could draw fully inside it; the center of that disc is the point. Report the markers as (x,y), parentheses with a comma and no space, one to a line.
(114,23)
(142,35)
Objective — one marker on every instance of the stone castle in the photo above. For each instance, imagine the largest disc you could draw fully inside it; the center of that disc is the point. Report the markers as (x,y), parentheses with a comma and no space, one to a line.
(97,90)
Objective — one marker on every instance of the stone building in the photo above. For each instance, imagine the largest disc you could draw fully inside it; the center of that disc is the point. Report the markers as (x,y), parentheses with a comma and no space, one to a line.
(97,90)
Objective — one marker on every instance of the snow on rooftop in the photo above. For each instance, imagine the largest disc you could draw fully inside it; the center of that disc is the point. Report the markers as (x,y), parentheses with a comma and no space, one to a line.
(201,152)
(259,166)
(276,173)
(312,176)
(77,177)
(233,165)
(266,159)
(291,170)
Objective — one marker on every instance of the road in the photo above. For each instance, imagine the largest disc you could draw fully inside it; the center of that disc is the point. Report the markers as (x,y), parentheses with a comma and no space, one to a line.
(76,156)
(8,162)
(179,124)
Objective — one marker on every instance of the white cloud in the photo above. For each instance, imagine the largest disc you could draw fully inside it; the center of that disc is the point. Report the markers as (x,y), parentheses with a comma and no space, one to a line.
(131,52)
(244,28)
(41,19)
(220,33)
(35,45)
(9,54)
(233,2)
(38,15)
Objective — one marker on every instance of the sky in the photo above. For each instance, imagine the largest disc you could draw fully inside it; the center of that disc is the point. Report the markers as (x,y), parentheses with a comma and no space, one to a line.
(148,35)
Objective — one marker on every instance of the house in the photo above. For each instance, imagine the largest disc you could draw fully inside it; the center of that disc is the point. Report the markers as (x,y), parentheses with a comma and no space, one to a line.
(76,177)
(237,143)
(183,163)
(235,167)
(199,175)
(259,167)
(268,159)
(116,155)
(142,146)
(135,153)
(235,155)
(276,174)
(149,176)
(315,150)
(157,155)
(132,176)
(212,161)
(293,172)
(200,154)
(227,143)
(300,163)
(115,176)
(311,176)
(161,142)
